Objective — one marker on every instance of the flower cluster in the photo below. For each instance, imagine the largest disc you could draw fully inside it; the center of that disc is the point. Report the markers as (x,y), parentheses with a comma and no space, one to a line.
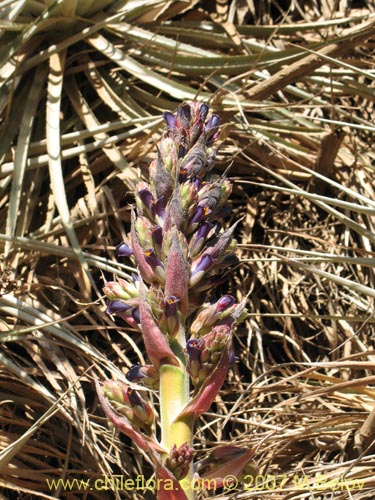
(182,250)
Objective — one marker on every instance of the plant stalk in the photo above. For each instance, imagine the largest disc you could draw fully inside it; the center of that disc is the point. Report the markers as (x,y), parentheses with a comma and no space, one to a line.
(174,396)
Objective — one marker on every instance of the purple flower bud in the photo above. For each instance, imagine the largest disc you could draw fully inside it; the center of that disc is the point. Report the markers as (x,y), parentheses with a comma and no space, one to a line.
(183,116)
(182,148)
(204,263)
(199,113)
(115,307)
(171,305)
(198,269)
(212,133)
(197,181)
(155,264)
(157,236)
(143,415)
(123,250)
(151,259)
(135,373)
(134,397)
(146,197)
(203,111)
(211,314)
(136,315)
(194,349)
(234,314)
(170,119)
(203,230)
(128,312)
(147,375)
(213,122)
(158,207)
(200,238)
(224,303)
(199,214)
(171,311)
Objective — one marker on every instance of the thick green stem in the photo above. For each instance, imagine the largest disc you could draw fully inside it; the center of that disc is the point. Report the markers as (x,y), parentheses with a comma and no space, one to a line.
(174,396)
(172,400)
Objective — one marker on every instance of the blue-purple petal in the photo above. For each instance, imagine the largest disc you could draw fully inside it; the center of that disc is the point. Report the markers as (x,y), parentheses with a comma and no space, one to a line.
(170,119)
(152,260)
(184,112)
(225,302)
(213,122)
(157,236)
(134,398)
(135,373)
(203,111)
(194,349)
(203,230)
(146,197)
(158,208)
(115,307)
(123,250)
(136,315)
(198,215)
(171,305)
(203,265)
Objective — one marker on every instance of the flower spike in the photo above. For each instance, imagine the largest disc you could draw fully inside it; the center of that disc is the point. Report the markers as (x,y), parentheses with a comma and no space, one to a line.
(182,248)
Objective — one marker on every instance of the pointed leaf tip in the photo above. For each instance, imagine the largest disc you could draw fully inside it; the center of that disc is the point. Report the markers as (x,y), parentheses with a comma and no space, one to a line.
(156,343)
(177,272)
(144,268)
(223,462)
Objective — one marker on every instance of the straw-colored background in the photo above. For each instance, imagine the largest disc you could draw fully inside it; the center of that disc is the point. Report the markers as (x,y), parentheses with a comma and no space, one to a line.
(82,89)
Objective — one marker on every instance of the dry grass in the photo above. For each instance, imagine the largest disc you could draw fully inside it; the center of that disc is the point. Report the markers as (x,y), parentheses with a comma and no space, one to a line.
(299,114)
